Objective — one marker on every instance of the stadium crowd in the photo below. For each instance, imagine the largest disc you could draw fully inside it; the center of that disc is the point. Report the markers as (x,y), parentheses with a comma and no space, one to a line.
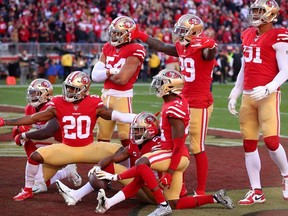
(87,21)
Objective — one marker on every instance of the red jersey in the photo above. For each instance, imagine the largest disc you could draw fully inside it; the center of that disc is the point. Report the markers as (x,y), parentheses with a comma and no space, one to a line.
(135,152)
(77,121)
(29,110)
(197,71)
(260,57)
(179,109)
(116,58)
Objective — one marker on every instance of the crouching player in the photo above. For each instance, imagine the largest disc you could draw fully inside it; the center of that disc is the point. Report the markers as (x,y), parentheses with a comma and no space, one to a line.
(144,136)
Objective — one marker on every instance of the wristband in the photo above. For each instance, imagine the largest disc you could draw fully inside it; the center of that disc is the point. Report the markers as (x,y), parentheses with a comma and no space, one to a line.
(23,135)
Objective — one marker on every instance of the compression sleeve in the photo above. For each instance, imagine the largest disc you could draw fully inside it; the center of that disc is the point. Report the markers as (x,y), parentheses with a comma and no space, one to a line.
(281,56)
(99,72)
(122,117)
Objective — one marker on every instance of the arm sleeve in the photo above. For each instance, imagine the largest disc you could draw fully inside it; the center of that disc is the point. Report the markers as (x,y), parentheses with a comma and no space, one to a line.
(281,56)
(99,72)
(179,143)
(122,117)
(238,88)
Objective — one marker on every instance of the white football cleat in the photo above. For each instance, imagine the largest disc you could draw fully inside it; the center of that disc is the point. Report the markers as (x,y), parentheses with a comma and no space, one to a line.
(220,197)
(74,176)
(66,193)
(161,211)
(39,187)
(102,201)
(285,188)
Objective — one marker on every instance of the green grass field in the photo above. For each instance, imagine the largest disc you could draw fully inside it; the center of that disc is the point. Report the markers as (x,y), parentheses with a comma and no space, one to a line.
(145,100)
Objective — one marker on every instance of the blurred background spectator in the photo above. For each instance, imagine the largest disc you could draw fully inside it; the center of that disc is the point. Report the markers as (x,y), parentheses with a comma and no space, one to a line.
(85,21)
(67,22)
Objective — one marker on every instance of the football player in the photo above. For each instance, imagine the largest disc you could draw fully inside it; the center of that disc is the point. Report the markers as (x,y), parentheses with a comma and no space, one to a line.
(144,136)
(119,66)
(172,159)
(196,54)
(264,70)
(39,94)
(77,112)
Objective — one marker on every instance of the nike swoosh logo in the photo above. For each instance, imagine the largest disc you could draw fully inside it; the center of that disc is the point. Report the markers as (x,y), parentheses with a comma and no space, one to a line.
(258,197)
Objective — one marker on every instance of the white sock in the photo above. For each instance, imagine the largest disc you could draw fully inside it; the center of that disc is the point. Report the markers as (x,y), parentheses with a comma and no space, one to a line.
(60,174)
(39,175)
(117,198)
(253,167)
(83,191)
(280,159)
(30,172)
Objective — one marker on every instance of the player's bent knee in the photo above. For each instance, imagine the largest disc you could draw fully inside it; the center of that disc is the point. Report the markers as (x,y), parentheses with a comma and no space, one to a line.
(35,156)
(272,142)
(250,145)
(142,160)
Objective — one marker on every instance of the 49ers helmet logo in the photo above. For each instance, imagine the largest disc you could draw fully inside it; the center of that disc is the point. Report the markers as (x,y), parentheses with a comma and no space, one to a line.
(85,80)
(45,84)
(270,4)
(127,24)
(194,21)
(171,74)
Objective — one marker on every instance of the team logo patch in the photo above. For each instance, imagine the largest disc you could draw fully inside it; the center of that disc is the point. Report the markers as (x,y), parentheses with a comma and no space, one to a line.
(271,4)
(45,84)
(149,120)
(171,74)
(126,24)
(76,107)
(85,80)
(194,21)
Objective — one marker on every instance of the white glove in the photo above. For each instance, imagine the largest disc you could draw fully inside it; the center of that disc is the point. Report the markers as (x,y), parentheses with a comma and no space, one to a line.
(114,71)
(259,92)
(95,169)
(105,175)
(232,106)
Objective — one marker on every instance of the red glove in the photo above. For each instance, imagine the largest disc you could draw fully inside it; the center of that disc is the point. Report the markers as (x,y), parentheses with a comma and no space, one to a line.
(153,130)
(20,129)
(165,181)
(136,34)
(2,122)
(20,139)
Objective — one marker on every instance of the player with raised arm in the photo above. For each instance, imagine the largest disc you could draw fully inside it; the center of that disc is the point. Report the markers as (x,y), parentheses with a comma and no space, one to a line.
(172,159)
(196,54)
(264,70)
(77,112)
(119,66)
(144,136)
(39,94)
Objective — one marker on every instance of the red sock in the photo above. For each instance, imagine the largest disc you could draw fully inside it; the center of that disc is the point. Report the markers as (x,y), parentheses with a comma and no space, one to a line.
(132,188)
(202,172)
(29,147)
(130,173)
(189,202)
